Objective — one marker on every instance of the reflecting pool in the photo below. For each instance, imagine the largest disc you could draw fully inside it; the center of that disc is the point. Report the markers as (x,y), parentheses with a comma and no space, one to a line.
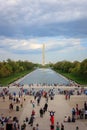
(44,77)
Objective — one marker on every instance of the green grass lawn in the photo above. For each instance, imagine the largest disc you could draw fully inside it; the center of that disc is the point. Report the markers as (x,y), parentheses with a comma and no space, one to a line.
(7,80)
(79,79)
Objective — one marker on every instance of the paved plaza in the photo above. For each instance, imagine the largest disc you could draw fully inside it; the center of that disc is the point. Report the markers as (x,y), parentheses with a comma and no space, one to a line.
(61,107)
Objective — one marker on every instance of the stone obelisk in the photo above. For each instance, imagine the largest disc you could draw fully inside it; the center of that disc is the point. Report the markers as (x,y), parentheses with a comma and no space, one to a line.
(43,55)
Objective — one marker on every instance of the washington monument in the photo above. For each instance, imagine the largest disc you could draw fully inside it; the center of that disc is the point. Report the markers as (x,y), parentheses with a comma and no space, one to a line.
(43,55)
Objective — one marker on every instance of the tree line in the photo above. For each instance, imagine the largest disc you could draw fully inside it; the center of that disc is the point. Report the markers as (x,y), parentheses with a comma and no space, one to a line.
(76,68)
(10,67)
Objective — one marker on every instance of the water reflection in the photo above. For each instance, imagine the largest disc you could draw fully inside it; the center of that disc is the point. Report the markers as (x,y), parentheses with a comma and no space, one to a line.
(45,77)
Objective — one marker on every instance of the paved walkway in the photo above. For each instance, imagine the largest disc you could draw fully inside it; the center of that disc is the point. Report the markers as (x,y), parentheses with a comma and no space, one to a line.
(61,108)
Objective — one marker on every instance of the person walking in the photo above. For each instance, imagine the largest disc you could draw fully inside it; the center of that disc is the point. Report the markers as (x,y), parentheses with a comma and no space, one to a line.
(77,128)
(41,112)
(34,128)
(51,127)
(62,126)
(45,106)
(37,126)
(57,126)
(31,120)
(52,117)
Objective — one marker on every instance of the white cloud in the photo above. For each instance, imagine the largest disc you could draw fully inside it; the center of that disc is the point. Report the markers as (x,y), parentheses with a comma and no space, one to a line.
(43,11)
(12,2)
(21,44)
(61,48)
(63,43)
(35,46)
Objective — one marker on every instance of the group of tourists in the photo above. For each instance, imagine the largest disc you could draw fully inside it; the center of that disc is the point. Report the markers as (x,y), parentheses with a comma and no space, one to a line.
(12,123)
(80,113)
(14,102)
(15,99)
(42,112)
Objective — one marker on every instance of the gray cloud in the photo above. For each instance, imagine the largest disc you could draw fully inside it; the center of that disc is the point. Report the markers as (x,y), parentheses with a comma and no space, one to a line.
(20,18)
(26,24)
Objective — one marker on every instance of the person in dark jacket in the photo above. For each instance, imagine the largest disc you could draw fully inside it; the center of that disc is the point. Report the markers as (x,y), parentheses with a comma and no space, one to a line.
(45,106)
(41,112)
(31,120)
(62,126)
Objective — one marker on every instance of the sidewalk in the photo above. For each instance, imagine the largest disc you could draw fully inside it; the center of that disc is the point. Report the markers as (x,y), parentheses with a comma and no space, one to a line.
(61,108)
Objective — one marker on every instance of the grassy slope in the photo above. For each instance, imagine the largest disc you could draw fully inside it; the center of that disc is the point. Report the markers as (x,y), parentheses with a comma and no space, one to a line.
(78,79)
(12,78)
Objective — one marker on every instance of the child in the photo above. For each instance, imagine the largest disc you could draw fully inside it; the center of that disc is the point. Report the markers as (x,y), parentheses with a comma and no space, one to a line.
(57,126)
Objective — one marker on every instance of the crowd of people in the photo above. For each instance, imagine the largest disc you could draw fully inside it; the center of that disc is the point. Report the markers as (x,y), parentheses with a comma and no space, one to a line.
(11,123)
(17,99)
(80,113)
(15,102)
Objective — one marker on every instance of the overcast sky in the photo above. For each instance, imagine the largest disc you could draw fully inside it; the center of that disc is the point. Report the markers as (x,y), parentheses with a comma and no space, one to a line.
(25,25)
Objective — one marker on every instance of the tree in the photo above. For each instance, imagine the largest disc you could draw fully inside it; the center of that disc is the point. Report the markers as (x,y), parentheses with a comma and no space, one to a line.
(83,68)
(75,69)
